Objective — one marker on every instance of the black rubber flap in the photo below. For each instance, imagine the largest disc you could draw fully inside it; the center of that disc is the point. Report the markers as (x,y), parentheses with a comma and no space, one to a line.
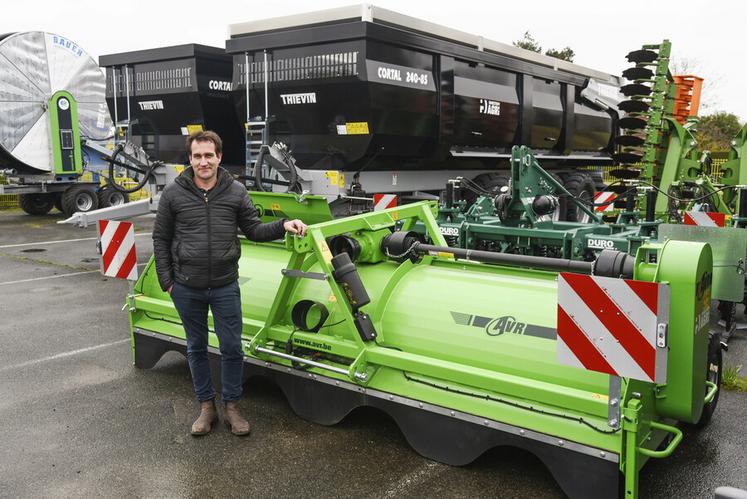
(633,122)
(642,55)
(630,140)
(617,189)
(625,173)
(635,89)
(637,73)
(633,106)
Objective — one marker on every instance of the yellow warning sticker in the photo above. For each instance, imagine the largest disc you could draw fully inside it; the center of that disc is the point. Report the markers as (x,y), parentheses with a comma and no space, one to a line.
(326,253)
(357,128)
(275,207)
(194,128)
(341,183)
(332,298)
(332,176)
(599,396)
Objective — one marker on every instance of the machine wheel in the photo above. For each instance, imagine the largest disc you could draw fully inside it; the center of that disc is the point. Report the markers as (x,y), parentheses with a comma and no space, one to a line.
(112,197)
(36,204)
(714,374)
(58,201)
(79,198)
(491,182)
(581,186)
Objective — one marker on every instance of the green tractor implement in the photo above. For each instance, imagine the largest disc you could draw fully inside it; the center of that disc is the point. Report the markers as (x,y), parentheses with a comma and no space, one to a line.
(461,347)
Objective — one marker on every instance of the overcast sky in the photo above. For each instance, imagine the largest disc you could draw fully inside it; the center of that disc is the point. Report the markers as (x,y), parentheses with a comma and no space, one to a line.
(709,34)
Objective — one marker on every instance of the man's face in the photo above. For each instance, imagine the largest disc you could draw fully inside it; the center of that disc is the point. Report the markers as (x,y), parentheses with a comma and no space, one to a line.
(204,160)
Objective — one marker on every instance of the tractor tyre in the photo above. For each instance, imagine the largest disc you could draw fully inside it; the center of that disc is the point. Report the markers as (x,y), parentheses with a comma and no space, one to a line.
(490,182)
(58,201)
(109,196)
(79,198)
(581,186)
(36,204)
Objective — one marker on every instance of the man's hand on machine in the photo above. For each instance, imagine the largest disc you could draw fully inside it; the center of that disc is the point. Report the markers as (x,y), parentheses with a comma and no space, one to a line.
(295,227)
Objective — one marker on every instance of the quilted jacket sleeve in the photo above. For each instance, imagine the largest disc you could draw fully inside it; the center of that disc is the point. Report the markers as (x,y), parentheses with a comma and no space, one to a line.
(163,235)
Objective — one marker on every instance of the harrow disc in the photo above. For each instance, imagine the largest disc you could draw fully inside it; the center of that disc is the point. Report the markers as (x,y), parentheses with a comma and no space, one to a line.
(643,55)
(637,73)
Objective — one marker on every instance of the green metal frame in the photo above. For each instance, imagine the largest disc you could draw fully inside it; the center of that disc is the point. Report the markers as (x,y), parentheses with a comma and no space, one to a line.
(377,365)
(57,151)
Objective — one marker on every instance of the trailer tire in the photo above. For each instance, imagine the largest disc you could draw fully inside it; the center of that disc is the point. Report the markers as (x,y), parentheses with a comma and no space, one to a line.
(491,182)
(581,186)
(112,197)
(714,374)
(58,201)
(36,204)
(79,198)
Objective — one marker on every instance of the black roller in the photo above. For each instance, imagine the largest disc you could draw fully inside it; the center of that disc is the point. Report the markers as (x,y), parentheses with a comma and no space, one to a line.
(344,244)
(635,89)
(630,140)
(637,73)
(613,263)
(625,173)
(651,205)
(643,55)
(633,122)
(633,106)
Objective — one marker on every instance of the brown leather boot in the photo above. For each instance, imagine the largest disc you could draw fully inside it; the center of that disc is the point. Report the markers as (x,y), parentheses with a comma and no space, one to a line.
(234,421)
(204,422)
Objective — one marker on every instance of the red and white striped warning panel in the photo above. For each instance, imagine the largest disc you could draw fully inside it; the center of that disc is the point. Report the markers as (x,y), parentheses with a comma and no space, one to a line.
(705,218)
(118,256)
(613,326)
(384,201)
(603,197)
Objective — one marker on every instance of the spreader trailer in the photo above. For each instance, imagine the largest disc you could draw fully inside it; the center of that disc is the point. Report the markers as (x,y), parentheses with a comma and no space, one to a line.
(583,364)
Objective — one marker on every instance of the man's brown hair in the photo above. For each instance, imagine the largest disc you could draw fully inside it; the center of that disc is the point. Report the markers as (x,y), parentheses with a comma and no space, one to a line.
(205,136)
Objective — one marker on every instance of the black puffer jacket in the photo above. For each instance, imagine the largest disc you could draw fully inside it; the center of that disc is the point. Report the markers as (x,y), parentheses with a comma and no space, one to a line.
(195,239)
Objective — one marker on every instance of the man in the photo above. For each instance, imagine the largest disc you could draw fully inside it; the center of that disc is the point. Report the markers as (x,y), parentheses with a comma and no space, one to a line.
(197,250)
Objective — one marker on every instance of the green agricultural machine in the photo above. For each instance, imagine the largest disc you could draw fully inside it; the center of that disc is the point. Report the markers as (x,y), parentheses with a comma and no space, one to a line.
(462,348)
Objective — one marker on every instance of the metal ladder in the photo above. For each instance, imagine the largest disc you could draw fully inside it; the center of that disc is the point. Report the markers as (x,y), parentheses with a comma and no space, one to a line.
(255,138)
(255,130)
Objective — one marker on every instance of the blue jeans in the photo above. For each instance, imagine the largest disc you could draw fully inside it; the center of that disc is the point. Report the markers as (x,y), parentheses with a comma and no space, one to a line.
(225,303)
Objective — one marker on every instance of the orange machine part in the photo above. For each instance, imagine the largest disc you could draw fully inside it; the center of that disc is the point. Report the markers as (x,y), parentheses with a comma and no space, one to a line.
(687,96)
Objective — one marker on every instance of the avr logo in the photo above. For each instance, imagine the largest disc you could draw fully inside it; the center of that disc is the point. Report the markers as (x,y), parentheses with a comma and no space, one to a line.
(505,324)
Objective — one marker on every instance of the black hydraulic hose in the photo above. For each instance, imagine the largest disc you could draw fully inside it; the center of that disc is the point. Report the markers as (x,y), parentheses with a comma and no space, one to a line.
(536,262)
(145,170)
(258,169)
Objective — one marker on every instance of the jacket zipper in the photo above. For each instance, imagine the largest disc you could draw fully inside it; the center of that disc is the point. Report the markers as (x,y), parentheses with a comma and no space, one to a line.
(210,242)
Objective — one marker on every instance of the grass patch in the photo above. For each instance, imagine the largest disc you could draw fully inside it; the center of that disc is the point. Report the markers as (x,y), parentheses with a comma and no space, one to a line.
(731,380)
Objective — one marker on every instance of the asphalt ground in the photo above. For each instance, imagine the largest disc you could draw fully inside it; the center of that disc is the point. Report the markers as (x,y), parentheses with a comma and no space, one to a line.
(78,420)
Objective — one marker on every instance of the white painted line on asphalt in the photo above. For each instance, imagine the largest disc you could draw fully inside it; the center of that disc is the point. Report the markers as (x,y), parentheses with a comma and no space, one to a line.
(63,355)
(137,234)
(49,277)
(413,479)
(58,275)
